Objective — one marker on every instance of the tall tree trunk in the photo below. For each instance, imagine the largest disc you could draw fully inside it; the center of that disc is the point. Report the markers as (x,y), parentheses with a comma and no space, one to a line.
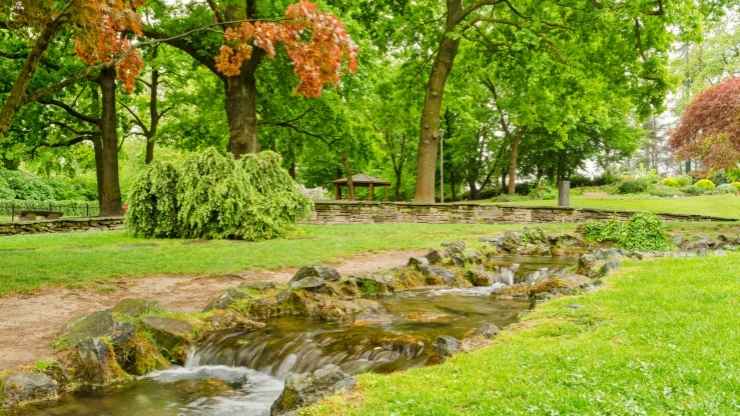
(149,157)
(110,195)
(154,115)
(430,116)
(348,169)
(515,140)
(397,184)
(14,101)
(241,112)
(474,191)
(99,172)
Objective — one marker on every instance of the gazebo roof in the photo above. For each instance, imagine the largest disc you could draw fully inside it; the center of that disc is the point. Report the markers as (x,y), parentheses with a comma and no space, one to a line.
(362,179)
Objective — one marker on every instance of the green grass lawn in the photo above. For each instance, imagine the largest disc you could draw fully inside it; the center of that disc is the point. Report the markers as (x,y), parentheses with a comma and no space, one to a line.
(661,339)
(32,261)
(727,206)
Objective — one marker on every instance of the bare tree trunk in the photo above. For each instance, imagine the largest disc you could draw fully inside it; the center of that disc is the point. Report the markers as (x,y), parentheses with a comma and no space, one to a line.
(397,184)
(154,115)
(241,112)
(17,94)
(515,140)
(348,170)
(110,195)
(430,117)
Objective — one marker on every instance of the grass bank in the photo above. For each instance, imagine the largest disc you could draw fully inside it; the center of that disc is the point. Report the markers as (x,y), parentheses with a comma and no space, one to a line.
(660,338)
(727,206)
(33,261)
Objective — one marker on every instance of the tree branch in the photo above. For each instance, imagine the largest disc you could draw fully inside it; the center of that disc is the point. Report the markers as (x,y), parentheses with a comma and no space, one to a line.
(137,119)
(71,111)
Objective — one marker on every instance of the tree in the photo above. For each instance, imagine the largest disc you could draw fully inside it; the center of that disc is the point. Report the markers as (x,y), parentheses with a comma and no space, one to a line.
(99,26)
(626,42)
(316,42)
(709,129)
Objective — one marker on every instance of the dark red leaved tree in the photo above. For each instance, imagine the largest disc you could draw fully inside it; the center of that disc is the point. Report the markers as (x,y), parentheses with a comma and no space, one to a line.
(709,129)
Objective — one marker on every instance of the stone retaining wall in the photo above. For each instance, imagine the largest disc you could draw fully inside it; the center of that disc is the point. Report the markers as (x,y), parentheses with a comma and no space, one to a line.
(390,212)
(61,225)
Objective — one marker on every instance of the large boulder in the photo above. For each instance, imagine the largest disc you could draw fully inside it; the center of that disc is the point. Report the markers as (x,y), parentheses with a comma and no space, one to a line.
(446,345)
(304,389)
(229,297)
(94,363)
(24,388)
(480,278)
(173,336)
(97,324)
(135,307)
(454,248)
(487,330)
(313,277)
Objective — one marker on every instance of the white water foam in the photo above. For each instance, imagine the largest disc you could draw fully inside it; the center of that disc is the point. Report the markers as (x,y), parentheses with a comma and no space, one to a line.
(254,397)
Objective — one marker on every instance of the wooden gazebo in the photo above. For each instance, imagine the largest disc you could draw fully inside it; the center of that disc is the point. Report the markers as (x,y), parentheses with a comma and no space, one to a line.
(361,180)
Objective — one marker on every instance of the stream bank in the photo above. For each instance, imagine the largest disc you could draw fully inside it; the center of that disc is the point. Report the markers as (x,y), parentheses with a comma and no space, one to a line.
(321,328)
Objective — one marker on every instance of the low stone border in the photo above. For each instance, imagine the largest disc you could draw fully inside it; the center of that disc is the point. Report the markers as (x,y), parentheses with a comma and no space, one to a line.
(61,225)
(355,212)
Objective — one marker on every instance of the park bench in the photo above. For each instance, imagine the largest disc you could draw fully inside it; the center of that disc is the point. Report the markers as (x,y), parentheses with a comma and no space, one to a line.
(31,214)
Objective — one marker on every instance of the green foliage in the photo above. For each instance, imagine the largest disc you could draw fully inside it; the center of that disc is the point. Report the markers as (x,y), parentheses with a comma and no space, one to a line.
(727,188)
(543,191)
(736,185)
(215,197)
(633,186)
(664,191)
(644,232)
(16,184)
(693,190)
(153,204)
(705,185)
(68,208)
(677,181)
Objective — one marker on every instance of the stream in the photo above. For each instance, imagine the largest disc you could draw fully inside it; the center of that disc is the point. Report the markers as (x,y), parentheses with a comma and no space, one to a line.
(242,373)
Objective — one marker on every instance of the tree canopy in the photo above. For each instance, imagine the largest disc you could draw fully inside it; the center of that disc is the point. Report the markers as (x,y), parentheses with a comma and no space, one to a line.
(517,91)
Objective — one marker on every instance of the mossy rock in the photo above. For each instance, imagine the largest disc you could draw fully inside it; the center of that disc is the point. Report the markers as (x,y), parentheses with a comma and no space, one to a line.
(20,389)
(135,308)
(95,325)
(139,355)
(94,363)
(172,336)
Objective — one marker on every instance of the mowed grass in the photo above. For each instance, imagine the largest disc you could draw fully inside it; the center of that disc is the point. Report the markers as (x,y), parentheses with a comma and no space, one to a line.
(33,261)
(662,338)
(727,206)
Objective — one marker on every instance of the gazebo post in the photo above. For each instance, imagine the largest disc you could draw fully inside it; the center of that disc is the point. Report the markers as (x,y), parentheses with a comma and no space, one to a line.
(371,192)
(339,191)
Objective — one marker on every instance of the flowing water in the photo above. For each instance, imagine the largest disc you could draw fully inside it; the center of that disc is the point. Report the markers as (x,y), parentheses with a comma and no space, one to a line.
(242,373)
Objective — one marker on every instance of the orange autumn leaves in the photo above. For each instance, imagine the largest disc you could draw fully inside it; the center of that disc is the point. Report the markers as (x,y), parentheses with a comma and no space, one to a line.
(316,42)
(102,36)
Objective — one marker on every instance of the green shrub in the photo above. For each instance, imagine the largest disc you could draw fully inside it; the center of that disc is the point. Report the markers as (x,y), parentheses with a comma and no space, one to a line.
(705,185)
(677,181)
(726,188)
(16,184)
(153,202)
(26,186)
(664,191)
(736,185)
(643,232)
(693,190)
(213,196)
(633,186)
(5,191)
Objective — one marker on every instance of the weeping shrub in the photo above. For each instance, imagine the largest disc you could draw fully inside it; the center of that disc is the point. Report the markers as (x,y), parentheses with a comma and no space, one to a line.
(153,203)
(643,232)
(215,197)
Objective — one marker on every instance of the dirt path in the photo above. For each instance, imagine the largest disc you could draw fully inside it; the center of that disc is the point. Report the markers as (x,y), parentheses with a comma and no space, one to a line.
(29,323)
